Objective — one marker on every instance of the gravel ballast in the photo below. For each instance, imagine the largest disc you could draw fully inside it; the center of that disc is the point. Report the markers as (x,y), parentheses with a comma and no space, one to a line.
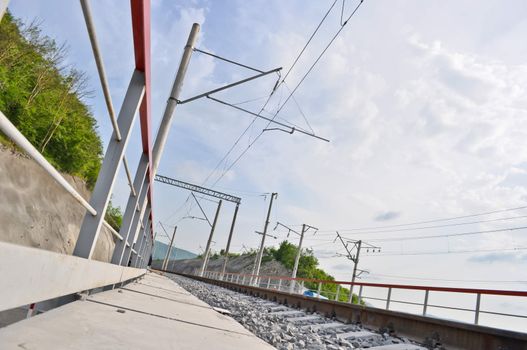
(288,328)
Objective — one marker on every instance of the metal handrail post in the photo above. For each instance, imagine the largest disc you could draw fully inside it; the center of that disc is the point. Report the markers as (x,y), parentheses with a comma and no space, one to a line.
(137,222)
(388,298)
(142,229)
(319,289)
(130,213)
(360,293)
(425,304)
(338,292)
(478,304)
(91,225)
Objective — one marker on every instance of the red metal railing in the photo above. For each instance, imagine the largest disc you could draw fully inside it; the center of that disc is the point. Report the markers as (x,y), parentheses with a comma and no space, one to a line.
(289,284)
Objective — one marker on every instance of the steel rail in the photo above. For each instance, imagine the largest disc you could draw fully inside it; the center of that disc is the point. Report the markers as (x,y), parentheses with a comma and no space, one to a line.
(420,328)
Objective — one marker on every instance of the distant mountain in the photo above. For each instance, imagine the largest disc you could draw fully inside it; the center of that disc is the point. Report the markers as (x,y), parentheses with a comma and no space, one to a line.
(160,251)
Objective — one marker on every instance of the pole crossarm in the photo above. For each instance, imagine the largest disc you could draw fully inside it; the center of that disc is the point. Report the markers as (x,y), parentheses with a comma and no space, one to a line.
(228,60)
(228,86)
(292,129)
(200,208)
(199,189)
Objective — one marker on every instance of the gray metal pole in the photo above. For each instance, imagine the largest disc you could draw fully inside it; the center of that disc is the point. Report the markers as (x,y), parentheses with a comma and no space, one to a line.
(229,240)
(260,252)
(354,272)
(139,248)
(131,216)
(166,122)
(91,225)
(297,259)
(169,250)
(209,241)
(137,220)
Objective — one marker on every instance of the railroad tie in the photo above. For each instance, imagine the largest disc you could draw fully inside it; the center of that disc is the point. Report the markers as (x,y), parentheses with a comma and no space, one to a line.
(358,335)
(287,313)
(317,327)
(304,319)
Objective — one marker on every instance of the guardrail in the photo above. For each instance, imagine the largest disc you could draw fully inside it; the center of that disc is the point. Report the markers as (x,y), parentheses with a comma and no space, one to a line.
(283,284)
(31,275)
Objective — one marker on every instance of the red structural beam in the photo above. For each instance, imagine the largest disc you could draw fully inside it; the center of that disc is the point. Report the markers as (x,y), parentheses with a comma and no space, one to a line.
(141,36)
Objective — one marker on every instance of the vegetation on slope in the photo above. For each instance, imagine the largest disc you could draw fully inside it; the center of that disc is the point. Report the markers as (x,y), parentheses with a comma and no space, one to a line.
(308,268)
(42,97)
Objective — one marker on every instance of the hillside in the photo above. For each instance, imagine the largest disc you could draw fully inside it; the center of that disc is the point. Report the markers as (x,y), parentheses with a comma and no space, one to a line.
(275,262)
(160,251)
(44,98)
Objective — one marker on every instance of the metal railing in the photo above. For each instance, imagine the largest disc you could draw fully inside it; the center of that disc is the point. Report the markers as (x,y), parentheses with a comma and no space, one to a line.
(134,241)
(282,284)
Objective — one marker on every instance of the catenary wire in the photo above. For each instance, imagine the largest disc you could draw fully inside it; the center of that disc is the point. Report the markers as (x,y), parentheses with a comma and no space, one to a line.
(426,221)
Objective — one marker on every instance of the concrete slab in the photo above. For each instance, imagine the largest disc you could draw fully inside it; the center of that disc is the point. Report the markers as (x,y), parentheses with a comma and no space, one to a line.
(137,317)
(357,335)
(398,347)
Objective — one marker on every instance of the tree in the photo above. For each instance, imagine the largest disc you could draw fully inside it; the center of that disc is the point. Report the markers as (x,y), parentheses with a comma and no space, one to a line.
(45,100)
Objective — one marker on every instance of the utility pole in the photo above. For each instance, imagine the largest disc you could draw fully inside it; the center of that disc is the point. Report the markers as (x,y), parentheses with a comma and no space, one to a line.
(356,245)
(169,250)
(209,241)
(258,261)
(305,228)
(226,260)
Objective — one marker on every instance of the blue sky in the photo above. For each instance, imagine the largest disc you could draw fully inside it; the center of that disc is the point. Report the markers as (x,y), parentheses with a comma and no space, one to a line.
(424,102)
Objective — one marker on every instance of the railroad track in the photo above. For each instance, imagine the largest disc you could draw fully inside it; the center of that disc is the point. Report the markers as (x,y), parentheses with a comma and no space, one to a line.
(288,328)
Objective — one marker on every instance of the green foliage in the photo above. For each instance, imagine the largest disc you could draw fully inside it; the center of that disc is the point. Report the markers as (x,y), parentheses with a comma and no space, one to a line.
(43,99)
(114,216)
(308,268)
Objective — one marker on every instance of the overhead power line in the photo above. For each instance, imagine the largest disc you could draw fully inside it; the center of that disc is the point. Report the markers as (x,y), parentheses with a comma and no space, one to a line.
(449,252)
(437,226)
(425,222)
(290,95)
(413,238)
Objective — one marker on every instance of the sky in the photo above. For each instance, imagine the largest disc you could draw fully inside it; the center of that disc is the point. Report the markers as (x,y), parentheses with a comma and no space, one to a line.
(424,104)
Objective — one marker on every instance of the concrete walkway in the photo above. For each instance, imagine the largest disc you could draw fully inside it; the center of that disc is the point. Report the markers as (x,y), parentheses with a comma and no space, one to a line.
(152,313)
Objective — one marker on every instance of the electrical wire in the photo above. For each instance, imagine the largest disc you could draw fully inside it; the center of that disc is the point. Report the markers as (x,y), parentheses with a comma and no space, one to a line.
(412,238)
(425,222)
(292,92)
(447,252)
(434,226)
